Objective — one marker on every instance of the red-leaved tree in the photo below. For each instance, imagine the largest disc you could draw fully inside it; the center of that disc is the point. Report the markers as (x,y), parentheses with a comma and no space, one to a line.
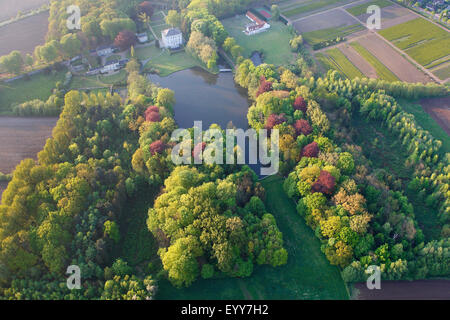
(198,150)
(274,119)
(264,86)
(311,150)
(146,7)
(152,114)
(324,184)
(302,127)
(157,147)
(300,104)
(125,39)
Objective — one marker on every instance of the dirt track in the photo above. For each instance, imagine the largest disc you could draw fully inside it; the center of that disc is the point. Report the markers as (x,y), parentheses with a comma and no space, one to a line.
(405,290)
(439,110)
(22,138)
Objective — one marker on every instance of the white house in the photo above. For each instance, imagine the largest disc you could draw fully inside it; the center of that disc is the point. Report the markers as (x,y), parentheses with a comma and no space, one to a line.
(256,26)
(142,37)
(172,38)
(113,65)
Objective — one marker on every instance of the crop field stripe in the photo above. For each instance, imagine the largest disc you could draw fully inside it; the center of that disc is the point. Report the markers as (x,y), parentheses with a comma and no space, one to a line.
(382,71)
(311,6)
(344,64)
(318,36)
(362,9)
(442,73)
(421,39)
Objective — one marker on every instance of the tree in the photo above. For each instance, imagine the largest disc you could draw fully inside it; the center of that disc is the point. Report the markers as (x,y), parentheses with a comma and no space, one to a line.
(70,45)
(111,28)
(325,183)
(303,127)
(12,62)
(125,40)
(166,98)
(157,147)
(48,52)
(311,150)
(275,9)
(264,86)
(174,18)
(273,120)
(147,8)
(300,104)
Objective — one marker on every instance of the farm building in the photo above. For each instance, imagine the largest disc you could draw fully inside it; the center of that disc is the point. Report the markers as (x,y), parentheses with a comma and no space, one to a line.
(172,38)
(256,26)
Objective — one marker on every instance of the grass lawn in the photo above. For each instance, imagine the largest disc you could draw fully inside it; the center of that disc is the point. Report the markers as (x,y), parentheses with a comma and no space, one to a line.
(274,43)
(340,62)
(382,71)
(309,6)
(115,78)
(79,82)
(362,8)
(317,36)
(307,275)
(422,40)
(113,57)
(40,86)
(158,28)
(163,63)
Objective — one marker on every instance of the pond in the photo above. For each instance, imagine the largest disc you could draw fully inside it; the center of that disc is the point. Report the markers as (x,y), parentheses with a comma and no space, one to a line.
(203,96)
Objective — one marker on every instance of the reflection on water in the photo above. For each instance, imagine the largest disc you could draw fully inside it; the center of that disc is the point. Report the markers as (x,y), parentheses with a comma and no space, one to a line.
(203,96)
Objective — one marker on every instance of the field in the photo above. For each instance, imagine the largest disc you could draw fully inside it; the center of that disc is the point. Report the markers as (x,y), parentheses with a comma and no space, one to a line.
(439,110)
(329,20)
(318,36)
(426,121)
(274,43)
(341,63)
(313,5)
(307,275)
(421,39)
(40,86)
(10,8)
(24,35)
(404,290)
(362,8)
(442,72)
(382,72)
(163,63)
(22,138)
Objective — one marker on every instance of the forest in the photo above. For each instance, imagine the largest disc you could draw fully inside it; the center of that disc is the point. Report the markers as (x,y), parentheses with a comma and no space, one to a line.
(73,206)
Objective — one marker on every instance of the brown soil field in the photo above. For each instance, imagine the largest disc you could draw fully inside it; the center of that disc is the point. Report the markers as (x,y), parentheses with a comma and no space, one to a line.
(401,67)
(330,19)
(22,138)
(392,15)
(405,290)
(359,62)
(10,8)
(439,110)
(24,35)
